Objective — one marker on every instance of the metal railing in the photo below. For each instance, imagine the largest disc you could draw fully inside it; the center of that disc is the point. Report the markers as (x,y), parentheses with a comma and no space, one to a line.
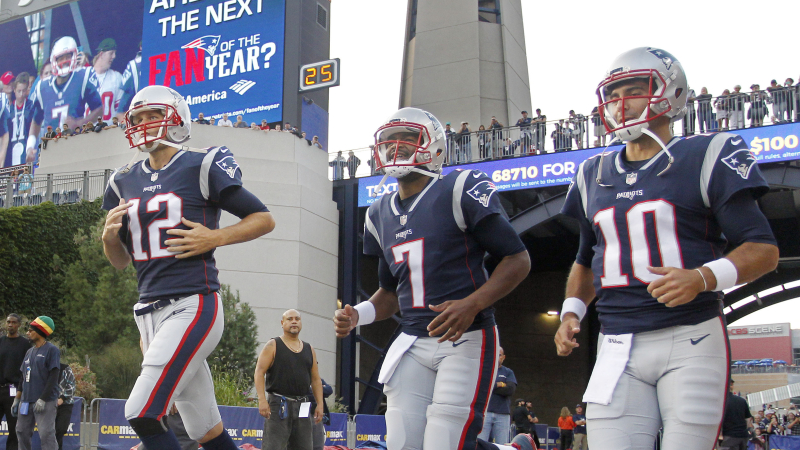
(61,188)
(704,114)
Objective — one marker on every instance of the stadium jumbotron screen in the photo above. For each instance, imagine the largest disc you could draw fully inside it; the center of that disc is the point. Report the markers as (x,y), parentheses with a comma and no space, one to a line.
(223,56)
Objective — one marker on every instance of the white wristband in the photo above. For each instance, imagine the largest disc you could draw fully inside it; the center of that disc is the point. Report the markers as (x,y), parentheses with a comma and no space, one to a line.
(31,142)
(366,313)
(575,306)
(725,272)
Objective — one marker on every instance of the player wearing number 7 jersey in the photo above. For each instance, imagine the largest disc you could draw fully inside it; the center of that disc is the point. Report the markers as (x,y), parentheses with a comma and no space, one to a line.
(164,217)
(656,220)
(431,237)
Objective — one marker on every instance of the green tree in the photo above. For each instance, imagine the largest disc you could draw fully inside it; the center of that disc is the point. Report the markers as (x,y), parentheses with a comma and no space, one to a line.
(236,352)
(97,299)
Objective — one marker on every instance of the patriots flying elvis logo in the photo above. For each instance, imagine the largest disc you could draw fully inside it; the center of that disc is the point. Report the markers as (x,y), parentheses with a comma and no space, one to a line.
(741,162)
(482,192)
(666,57)
(207,43)
(229,165)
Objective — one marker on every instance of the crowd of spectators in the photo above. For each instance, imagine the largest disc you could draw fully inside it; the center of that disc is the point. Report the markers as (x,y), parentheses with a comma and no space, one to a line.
(224,121)
(769,421)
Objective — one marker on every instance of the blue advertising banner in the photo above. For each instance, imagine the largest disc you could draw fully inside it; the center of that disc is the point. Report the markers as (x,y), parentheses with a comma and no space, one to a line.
(541,432)
(769,144)
(223,57)
(72,438)
(245,425)
(370,428)
(553,437)
(336,431)
(784,442)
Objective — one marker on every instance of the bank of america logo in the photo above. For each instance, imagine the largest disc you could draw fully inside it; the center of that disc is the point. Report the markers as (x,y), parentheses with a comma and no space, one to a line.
(242,86)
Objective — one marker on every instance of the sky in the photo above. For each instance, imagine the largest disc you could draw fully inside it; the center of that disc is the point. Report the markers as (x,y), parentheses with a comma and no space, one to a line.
(569,49)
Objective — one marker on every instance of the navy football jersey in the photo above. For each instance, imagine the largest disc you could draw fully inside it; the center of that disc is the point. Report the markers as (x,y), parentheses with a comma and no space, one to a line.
(642,219)
(427,244)
(54,102)
(18,125)
(188,186)
(130,83)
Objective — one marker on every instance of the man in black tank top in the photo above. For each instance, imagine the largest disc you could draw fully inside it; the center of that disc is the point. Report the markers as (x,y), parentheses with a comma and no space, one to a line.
(285,369)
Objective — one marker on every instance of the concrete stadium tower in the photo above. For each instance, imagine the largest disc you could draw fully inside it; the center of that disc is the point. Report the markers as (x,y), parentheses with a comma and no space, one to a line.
(466,61)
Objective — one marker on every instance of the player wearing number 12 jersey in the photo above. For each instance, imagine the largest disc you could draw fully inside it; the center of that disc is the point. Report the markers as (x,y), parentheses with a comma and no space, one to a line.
(430,238)
(164,217)
(657,218)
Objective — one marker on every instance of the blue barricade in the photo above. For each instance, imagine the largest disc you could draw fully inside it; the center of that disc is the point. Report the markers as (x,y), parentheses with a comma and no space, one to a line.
(553,437)
(370,428)
(784,442)
(336,431)
(72,439)
(244,424)
(541,432)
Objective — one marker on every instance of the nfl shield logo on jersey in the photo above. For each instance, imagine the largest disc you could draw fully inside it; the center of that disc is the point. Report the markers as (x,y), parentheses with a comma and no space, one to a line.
(403,220)
(631,178)
(154,177)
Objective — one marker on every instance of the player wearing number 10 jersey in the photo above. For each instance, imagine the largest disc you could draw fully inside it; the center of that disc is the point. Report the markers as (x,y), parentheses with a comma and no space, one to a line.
(656,220)
(164,216)
(430,239)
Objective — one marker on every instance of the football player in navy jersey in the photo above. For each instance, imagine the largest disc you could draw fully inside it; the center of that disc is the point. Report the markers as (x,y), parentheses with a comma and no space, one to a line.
(18,124)
(656,218)
(430,238)
(164,218)
(64,98)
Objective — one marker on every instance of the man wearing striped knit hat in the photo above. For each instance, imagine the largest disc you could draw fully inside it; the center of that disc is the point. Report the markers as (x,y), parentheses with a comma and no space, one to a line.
(36,398)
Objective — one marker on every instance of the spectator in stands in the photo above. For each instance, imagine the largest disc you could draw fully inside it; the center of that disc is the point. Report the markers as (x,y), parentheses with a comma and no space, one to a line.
(578,127)
(525,131)
(288,127)
(88,127)
(240,123)
(278,127)
(224,122)
(790,92)
(510,147)
(465,143)
(758,106)
(704,112)
(565,426)
(25,181)
(114,123)
(691,115)
(540,129)
(735,423)
(101,124)
(58,133)
(792,423)
(211,121)
(497,136)
(49,136)
(723,113)
(778,100)
(450,134)
(338,165)
(316,143)
(264,125)
(484,141)
(774,426)
(352,164)
(599,128)
(201,120)
(758,440)
(562,137)
(78,130)
(736,105)
(254,126)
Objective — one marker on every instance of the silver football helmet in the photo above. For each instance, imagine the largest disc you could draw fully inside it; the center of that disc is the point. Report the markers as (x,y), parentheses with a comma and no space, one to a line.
(174,128)
(524,441)
(63,46)
(410,140)
(668,90)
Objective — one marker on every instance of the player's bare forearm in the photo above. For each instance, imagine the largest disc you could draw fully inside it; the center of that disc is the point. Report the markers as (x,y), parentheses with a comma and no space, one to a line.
(35,129)
(3,148)
(456,316)
(580,283)
(752,260)
(116,253)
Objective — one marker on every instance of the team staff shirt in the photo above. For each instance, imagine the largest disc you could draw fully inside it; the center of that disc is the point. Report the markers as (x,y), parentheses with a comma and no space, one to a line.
(426,241)
(54,102)
(642,219)
(36,367)
(188,186)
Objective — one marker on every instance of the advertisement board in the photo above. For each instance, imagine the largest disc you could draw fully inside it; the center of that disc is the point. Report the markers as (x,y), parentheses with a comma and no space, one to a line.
(223,57)
(768,144)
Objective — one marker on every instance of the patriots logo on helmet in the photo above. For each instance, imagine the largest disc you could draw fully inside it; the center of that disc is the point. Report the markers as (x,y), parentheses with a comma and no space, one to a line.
(741,162)
(435,122)
(666,57)
(482,192)
(229,165)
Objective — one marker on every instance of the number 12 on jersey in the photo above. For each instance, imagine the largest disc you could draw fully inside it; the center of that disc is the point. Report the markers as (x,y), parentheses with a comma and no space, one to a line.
(173,218)
(412,252)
